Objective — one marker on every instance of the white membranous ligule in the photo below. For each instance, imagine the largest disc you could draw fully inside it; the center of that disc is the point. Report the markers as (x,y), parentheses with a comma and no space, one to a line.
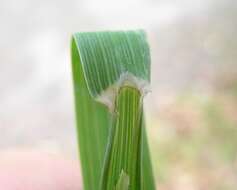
(107,97)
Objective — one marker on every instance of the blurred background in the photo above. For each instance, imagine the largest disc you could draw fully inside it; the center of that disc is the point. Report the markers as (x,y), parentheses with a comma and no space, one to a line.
(191,112)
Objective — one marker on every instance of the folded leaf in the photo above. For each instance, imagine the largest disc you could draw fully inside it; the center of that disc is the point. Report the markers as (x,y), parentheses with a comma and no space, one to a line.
(111,72)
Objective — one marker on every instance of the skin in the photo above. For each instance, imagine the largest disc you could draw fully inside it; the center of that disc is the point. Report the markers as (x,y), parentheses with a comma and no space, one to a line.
(29,170)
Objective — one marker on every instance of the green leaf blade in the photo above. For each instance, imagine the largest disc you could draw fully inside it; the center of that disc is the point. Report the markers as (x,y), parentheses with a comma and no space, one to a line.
(90,115)
(107,55)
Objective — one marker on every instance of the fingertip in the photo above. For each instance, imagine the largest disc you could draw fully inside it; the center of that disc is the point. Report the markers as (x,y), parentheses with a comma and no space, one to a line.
(32,170)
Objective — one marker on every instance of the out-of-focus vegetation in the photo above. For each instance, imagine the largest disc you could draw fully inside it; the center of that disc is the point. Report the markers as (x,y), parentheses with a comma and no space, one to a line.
(194,139)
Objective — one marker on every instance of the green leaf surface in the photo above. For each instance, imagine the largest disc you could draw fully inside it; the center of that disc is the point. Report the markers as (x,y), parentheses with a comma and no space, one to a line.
(111,71)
